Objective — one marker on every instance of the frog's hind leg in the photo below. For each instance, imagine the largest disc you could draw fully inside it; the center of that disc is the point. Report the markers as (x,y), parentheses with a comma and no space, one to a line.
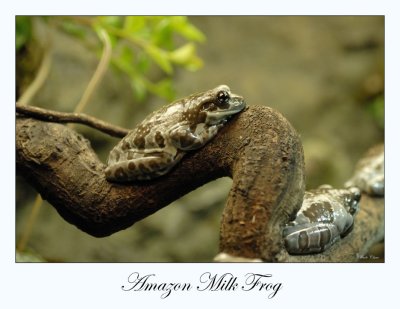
(310,238)
(144,168)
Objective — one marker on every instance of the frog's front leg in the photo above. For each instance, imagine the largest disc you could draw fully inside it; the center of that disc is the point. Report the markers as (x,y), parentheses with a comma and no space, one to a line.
(370,175)
(373,185)
(136,165)
(308,238)
(187,138)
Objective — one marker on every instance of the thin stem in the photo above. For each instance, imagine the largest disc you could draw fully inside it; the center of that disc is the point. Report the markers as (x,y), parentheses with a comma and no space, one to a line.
(26,233)
(53,116)
(99,73)
(38,82)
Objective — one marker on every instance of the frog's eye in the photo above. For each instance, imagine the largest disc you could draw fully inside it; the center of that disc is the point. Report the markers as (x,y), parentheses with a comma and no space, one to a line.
(222,97)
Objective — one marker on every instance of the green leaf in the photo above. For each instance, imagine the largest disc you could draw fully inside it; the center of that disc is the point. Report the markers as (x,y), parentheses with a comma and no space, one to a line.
(23,31)
(194,64)
(162,33)
(139,88)
(163,88)
(186,29)
(183,54)
(186,56)
(377,109)
(113,21)
(161,57)
(74,29)
(124,60)
(136,28)
(143,62)
(134,23)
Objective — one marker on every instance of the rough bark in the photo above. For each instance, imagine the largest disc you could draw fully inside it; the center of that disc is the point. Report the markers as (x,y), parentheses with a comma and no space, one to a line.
(268,184)
(259,149)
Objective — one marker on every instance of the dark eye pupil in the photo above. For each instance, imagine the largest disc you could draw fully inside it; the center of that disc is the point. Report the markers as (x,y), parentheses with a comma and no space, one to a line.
(223,96)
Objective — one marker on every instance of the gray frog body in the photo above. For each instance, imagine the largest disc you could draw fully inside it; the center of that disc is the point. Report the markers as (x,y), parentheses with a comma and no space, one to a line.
(160,141)
(369,174)
(326,215)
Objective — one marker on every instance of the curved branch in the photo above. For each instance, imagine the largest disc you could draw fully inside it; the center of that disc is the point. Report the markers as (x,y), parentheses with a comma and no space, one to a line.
(53,116)
(259,149)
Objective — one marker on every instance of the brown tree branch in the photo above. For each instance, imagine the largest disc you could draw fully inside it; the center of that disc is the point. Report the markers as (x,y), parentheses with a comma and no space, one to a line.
(60,117)
(259,149)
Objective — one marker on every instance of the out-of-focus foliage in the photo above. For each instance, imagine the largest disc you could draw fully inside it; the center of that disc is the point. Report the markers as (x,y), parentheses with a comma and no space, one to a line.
(23,31)
(145,48)
(28,257)
(377,109)
(142,41)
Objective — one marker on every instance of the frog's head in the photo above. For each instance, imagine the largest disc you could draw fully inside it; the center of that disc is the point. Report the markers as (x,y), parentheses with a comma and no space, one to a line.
(217,105)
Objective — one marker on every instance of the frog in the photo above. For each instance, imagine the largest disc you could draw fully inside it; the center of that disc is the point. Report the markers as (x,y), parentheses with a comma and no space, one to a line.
(163,138)
(369,174)
(326,216)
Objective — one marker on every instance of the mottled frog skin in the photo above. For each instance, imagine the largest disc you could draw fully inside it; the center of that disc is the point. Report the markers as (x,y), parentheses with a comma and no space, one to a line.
(326,215)
(369,175)
(160,141)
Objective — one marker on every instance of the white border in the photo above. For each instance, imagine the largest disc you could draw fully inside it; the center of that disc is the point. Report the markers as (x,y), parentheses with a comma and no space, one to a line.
(99,285)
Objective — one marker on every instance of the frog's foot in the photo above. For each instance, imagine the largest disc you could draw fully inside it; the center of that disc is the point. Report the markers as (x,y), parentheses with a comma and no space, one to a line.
(185,139)
(370,173)
(310,237)
(372,186)
(377,189)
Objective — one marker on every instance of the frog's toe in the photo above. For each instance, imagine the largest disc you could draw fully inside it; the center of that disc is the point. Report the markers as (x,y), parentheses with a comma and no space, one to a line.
(378,188)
